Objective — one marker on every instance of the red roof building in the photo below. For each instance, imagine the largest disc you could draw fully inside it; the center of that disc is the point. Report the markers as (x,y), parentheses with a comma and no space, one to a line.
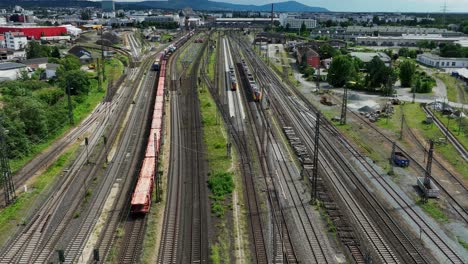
(311,56)
(35,32)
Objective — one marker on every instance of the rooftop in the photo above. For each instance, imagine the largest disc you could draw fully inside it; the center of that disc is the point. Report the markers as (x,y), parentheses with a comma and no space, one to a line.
(10,66)
(437,57)
(368,56)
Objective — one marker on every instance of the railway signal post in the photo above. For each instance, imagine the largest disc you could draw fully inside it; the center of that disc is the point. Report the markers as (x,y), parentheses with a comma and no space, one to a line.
(315,160)
(344,106)
(8,185)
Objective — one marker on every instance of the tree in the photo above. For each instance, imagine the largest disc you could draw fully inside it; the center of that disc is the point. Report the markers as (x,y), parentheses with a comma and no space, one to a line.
(303,30)
(288,27)
(342,69)
(55,52)
(378,74)
(407,70)
(36,50)
(70,63)
(78,81)
(326,51)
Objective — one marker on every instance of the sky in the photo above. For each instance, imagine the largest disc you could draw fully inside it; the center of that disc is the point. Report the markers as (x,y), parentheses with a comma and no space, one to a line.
(369,5)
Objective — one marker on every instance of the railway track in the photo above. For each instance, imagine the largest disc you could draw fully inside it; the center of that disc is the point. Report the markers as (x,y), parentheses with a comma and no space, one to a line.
(288,109)
(283,250)
(135,228)
(412,250)
(456,144)
(119,174)
(455,203)
(247,169)
(185,231)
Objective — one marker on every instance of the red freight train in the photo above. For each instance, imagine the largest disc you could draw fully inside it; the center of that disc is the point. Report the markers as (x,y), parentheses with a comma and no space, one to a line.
(141,199)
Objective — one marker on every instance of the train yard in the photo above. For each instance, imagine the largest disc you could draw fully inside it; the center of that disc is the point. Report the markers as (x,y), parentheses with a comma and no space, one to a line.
(309,194)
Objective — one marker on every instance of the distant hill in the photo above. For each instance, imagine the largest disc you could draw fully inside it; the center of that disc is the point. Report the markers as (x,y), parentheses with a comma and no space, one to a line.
(289,6)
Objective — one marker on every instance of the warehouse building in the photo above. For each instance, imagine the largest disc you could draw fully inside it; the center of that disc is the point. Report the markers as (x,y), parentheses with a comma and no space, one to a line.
(441,62)
(35,32)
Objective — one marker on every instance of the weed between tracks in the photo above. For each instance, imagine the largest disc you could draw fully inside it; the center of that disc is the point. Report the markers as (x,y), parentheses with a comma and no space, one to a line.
(434,209)
(220,179)
(15,214)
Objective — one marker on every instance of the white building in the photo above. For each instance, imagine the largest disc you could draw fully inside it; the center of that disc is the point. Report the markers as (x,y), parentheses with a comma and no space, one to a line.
(3,20)
(441,62)
(296,22)
(73,31)
(15,41)
(9,71)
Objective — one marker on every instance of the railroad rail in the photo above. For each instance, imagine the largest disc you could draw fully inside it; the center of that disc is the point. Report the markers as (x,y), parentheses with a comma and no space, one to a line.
(247,169)
(288,109)
(455,204)
(456,144)
(412,250)
(185,224)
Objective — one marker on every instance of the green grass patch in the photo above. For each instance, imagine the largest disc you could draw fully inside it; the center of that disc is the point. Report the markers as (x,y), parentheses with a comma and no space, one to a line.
(433,209)
(220,250)
(220,180)
(220,184)
(458,127)
(14,214)
(414,117)
(455,88)
(165,37)
(462,242)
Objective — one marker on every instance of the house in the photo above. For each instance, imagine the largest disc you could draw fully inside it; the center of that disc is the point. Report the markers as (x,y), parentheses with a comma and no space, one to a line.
(51,71)
(9,71)
(84,55)
(37,63)
(311,56)
(441,62)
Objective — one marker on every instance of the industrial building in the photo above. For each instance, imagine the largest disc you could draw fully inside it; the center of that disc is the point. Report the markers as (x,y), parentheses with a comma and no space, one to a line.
(407,40)
(294,22)
(441,62)
(35,32)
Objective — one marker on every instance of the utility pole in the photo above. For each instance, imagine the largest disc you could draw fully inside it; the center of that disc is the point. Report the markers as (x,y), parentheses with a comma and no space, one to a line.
(344,106)
(402,123)
(8,186)
(70,107)
(315,160)
(318,78)
(392,158)
(102,57)
(427,176)
(98,68)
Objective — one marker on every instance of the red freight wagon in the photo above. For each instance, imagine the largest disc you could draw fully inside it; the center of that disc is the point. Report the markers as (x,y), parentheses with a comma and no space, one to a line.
(156,124)
(148,168)
(150,150)
(141,199)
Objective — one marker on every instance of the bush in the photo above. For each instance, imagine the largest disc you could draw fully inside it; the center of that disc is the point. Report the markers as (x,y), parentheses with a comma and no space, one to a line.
(220,184)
